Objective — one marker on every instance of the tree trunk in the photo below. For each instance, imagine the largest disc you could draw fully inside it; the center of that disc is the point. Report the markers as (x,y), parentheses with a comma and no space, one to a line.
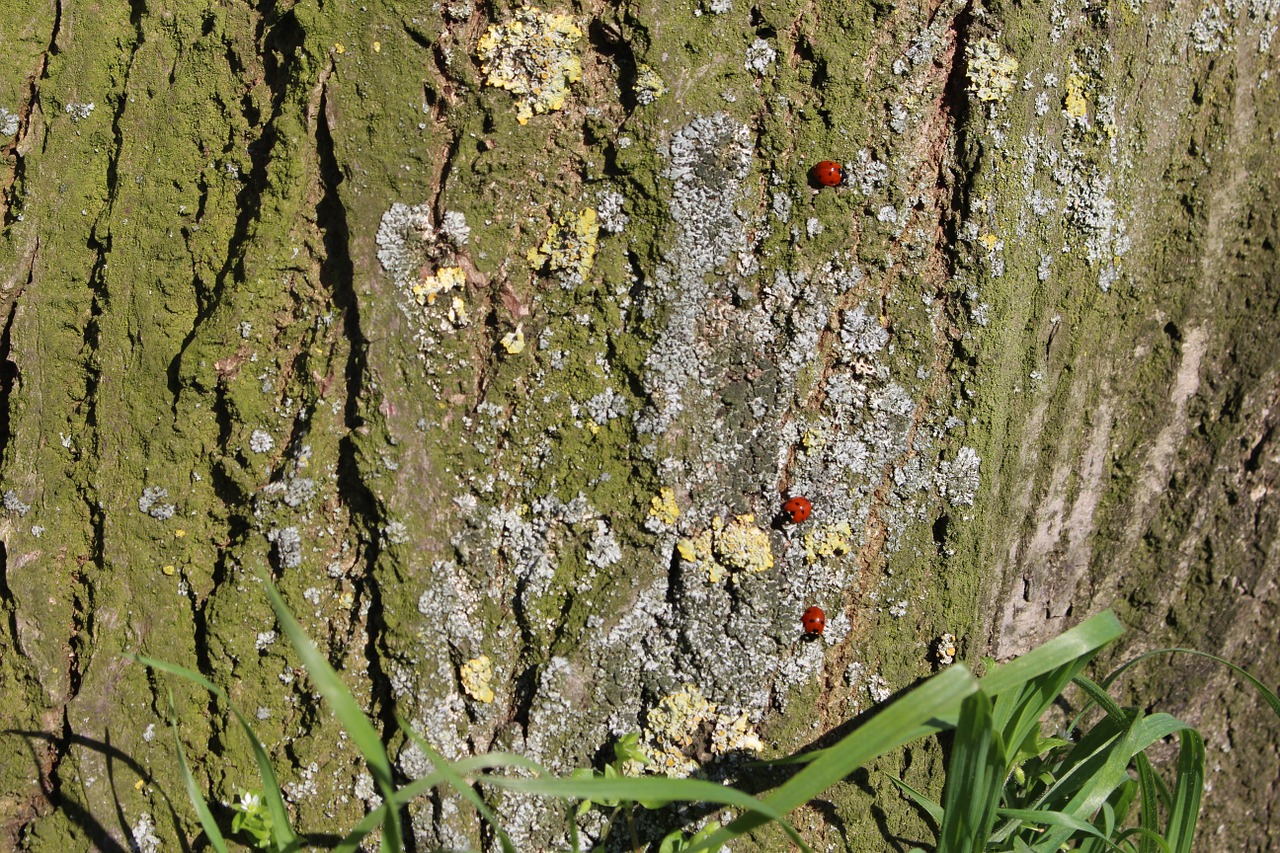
(507,343)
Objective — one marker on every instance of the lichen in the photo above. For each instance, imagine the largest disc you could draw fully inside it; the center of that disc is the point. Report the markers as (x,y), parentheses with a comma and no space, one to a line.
(477,676)
(663,508)
(422,257)
(513,342)
(649,85)
(569,249)
(1073,102)
(675,727)
(532,56)
(990,72)
(429,287)
(737,547)
(828,540)
(944,649)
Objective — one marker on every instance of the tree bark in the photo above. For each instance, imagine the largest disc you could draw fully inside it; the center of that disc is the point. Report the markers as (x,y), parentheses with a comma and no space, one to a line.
(315,290)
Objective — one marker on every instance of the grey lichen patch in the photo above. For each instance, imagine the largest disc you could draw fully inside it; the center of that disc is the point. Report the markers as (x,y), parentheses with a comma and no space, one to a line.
(708,161)
(423,259)
(153,503)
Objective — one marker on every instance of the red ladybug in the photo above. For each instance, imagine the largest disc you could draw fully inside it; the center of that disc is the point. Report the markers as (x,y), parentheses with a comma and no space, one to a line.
(829,173)
(813,621)
(797,509)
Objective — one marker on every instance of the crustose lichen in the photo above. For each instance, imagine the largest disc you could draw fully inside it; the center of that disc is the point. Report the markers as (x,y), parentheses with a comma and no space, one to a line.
(990,71)
(533,57)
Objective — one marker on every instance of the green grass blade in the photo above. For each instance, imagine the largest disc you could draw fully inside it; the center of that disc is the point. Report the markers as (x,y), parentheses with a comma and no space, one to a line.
(1082,641)
(1025,687)
(1158,844)
(350,843)
(1142,733)
(284,835)
(1071,824)
(975,777)
(934,810)
(211,831)
(1148,810)
(1187,791)
(1265,692)
(346,709)
(459,784)
(571,815)
(894,725)
(180,671)
(1099,696)
(649,788)
(286,839)
(403,796)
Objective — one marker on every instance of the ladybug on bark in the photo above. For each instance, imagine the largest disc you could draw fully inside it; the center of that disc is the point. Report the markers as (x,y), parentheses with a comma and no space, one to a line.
(829,173)
(797,509)
(814,621)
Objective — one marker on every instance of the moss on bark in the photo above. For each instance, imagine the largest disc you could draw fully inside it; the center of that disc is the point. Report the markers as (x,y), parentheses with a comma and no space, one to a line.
(1022,362)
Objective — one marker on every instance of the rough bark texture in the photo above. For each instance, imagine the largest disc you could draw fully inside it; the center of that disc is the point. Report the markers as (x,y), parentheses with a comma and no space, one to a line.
(1025,362)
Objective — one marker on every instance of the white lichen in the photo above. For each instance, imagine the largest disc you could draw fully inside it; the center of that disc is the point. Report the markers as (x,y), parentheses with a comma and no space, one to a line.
(260,441)
(288,542)
(760,57)
(13,503)
(151,502)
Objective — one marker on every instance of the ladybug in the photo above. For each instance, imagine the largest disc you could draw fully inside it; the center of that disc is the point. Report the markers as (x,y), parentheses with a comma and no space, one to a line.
(829,173)
(813,621)
(797,509)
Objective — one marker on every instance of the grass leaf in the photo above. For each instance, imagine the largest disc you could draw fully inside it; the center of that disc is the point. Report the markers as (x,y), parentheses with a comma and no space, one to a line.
(286,839)
(211,831)
(346,709)
(1187,791)
(975,778)
(900,721)
(459,784)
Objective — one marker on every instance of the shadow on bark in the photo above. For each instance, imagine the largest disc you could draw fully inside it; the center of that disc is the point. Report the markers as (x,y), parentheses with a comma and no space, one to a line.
(94,829)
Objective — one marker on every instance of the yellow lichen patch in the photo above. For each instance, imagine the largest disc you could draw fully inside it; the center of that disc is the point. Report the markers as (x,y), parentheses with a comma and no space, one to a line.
(458,315)
(513,342)
(1074,101)
(990,71)
(735,734)
(678,727)
(446,278)
(662,506)
(738,546)
(649,85)
(989,241)
(570,247)
(477,674)
(532,56)
(830,540)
